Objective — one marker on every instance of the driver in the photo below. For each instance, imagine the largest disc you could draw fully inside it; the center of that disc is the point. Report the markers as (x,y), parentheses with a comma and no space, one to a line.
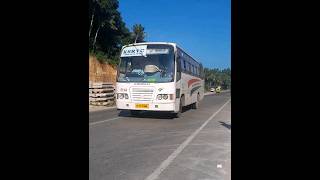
(137,68)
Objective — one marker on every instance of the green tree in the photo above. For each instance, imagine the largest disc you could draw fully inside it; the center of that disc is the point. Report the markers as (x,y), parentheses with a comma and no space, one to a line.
(108,32)
(138,33)
(216,77)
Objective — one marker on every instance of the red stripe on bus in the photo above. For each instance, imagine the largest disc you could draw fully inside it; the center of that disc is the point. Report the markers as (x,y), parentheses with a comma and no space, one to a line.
(192,81)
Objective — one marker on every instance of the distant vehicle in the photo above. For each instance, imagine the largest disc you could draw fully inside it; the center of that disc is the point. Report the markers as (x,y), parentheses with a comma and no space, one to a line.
(158,76)
(212,90)
(218,89)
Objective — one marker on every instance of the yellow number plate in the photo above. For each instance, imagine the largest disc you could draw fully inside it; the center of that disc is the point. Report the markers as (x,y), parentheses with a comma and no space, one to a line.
(146,106)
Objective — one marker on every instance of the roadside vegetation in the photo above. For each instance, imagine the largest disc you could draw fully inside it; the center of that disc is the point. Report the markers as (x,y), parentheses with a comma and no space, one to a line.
(108,32)
(217,77)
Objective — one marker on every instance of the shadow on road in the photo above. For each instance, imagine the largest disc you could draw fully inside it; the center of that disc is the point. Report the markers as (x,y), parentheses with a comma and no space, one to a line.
(147,114)
(152,114)
(187,108)
(225,125)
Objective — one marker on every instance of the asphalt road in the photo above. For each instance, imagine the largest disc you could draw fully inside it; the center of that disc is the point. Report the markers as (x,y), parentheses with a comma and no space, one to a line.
(157,146)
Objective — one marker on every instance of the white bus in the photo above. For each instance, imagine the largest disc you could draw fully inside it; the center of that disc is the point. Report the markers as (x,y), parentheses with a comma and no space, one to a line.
(158,76)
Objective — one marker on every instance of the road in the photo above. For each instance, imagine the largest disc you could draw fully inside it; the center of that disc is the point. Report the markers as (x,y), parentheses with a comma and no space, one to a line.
(157,146)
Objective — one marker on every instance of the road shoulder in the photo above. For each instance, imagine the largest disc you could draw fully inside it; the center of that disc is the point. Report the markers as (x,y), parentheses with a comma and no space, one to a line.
(208,156)
(100,108)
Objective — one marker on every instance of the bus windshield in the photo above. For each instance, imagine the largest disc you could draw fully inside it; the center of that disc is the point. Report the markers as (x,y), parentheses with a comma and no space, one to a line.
(156,66)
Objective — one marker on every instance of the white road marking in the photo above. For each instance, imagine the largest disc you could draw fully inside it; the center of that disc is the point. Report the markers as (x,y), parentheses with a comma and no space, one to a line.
(156,173)
(107,120)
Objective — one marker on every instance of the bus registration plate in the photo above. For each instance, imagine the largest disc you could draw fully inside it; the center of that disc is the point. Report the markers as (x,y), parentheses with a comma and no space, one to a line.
(146,106)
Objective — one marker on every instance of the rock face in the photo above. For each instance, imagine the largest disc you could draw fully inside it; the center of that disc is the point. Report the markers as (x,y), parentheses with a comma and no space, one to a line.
(101,72)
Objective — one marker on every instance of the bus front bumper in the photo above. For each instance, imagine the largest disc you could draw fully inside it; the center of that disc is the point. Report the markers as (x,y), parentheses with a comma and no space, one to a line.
(146,106)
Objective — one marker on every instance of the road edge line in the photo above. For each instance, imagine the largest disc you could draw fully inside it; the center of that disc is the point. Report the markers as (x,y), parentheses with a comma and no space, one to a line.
(156,173)
(107,120)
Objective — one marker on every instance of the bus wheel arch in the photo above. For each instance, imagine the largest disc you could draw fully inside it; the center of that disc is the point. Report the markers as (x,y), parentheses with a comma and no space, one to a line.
(196,104)
(182,99)
(181,104)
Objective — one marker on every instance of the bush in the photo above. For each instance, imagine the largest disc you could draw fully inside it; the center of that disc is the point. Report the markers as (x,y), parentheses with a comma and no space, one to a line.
(101,57)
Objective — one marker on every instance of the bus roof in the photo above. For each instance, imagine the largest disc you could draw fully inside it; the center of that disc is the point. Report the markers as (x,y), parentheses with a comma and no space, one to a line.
(166,43)
(143,43)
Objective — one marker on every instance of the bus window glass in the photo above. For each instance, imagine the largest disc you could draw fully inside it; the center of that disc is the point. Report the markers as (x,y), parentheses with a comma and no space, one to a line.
(157,66)
(196,70)
(193,69)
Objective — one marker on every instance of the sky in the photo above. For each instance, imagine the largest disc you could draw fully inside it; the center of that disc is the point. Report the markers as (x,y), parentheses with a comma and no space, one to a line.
(201,27)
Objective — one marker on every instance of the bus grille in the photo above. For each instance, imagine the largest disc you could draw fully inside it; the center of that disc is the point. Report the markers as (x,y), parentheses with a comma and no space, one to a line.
(142,94)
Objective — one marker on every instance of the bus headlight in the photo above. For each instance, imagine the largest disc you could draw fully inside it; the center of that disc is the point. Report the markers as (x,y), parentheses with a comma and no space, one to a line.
(165,96)
(122,95)
(159,97)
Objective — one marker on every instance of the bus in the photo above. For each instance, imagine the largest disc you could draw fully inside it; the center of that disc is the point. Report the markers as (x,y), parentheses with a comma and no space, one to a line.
(158,76)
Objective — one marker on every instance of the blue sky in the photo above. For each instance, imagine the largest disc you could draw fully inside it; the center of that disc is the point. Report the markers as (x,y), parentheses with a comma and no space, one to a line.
(201,27)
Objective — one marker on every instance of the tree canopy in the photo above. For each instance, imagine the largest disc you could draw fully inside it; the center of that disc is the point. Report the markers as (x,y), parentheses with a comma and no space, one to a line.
(108,32)
(216,77)
(138,33)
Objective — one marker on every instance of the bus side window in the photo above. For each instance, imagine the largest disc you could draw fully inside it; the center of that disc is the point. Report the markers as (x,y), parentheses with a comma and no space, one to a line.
(187,67)
(201,72)
(196,70)
(193,70)
(178,77)
(181,64)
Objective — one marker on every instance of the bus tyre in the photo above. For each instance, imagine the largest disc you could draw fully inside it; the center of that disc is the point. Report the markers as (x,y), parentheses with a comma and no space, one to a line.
(134,112)
(196,104)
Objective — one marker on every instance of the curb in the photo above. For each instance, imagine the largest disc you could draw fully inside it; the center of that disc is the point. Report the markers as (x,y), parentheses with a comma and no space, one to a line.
(95,109)
(210,93)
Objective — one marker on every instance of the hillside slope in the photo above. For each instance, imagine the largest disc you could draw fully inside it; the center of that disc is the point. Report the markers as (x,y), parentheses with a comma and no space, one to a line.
(101,72)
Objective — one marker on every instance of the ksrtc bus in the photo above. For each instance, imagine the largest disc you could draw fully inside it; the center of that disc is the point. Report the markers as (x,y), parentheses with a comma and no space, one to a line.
(158,76)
